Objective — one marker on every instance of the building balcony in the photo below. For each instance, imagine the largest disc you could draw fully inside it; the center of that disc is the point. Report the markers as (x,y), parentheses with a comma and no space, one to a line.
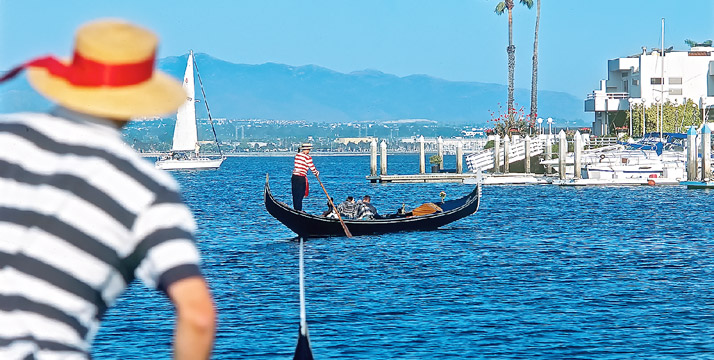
(623,64)
(615,101)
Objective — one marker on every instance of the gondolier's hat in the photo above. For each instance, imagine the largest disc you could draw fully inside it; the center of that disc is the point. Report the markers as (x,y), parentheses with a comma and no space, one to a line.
(111,74)
(305,146)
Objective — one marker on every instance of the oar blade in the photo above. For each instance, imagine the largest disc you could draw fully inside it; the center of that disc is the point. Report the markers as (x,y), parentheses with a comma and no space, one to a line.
(303,350)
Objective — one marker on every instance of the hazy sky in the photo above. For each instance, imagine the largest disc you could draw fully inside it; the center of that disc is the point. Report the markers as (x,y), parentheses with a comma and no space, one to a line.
(459,40)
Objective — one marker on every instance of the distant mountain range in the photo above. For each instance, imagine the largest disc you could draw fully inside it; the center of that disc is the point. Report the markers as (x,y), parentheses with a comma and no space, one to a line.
(313,93)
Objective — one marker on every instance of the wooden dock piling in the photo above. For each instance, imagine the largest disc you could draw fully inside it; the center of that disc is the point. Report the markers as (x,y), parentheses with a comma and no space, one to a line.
(496,153)
(373,158)
(562,153)
(459,157)
(706,152)
(527,160)
(506,154)
(440,151)
(422,166)
(578,155)
(548,153)
(383,158)
(692,153)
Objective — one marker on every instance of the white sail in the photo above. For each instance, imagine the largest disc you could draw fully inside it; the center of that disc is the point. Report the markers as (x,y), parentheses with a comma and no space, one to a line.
(185,135)
(184,154)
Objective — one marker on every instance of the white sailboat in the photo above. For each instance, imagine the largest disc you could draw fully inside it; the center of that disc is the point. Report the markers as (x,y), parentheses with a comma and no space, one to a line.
(185,149)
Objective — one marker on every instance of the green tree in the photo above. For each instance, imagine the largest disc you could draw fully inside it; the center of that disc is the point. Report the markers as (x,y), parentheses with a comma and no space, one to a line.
(501,7)
(677,118)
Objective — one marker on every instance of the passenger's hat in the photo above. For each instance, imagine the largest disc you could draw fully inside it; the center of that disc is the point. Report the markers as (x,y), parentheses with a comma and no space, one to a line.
(110,75)
(306,146)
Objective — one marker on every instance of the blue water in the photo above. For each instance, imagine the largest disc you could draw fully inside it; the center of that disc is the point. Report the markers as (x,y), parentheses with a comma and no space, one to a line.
(539,272)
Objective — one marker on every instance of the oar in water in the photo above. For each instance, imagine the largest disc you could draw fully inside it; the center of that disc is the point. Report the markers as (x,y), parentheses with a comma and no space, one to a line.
(329,199)
(302,351)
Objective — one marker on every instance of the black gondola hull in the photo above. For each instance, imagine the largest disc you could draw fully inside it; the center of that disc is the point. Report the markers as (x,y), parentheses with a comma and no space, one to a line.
(309,225)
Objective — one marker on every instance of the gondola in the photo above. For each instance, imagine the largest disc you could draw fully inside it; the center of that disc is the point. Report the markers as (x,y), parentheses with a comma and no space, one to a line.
(308,225)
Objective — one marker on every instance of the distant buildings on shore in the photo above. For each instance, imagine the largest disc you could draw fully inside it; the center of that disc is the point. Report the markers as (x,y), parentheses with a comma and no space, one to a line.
(651,79)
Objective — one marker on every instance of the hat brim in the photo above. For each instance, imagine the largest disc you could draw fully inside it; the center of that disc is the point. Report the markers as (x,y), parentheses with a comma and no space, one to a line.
(160,95)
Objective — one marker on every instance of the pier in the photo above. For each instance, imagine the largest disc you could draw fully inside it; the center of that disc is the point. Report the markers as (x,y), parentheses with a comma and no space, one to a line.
(589,163)
(520,150)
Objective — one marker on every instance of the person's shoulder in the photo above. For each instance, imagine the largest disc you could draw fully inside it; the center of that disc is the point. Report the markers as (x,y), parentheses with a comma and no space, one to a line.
(27,118)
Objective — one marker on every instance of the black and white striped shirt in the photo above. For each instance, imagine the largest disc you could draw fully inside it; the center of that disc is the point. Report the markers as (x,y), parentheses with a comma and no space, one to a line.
(81,216)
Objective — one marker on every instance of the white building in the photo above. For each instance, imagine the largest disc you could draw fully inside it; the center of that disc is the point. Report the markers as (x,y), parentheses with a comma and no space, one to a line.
(650,79)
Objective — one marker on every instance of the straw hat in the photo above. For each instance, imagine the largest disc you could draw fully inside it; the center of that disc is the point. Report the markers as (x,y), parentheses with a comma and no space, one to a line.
(111,74)
(306,146)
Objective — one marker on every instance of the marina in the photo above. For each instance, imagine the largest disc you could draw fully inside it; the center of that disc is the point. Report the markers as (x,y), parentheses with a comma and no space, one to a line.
(666,160)
(539,272)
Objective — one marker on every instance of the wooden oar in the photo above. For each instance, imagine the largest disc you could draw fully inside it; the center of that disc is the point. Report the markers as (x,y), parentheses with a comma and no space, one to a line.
(329,199)
(303,350)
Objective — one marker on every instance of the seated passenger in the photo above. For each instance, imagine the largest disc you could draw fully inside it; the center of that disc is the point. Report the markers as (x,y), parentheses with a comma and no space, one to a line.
(348,208)
(330,212)
(365,209)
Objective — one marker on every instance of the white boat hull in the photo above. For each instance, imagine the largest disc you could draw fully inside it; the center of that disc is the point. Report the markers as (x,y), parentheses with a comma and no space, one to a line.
(189,164)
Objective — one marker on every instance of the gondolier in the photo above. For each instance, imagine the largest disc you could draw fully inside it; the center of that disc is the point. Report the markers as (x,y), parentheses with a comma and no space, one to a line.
(300,186)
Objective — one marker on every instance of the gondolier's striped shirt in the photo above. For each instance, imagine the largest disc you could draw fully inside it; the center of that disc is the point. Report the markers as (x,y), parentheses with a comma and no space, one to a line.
(303,162)
(81,215)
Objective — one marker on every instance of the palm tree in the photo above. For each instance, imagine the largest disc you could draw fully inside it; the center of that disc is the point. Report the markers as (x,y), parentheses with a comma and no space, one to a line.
(693,43)
(534,78)
(511,49)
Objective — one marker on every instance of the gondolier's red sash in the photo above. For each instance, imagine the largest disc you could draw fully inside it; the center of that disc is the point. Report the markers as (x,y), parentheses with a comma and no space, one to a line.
(307,186)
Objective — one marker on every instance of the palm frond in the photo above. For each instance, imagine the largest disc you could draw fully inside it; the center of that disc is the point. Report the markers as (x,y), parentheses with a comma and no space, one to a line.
(528,3)
(500,8)
(693,43)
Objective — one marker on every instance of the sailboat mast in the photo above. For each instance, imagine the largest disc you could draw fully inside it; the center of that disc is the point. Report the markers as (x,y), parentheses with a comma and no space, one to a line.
(208,110)
(661,86)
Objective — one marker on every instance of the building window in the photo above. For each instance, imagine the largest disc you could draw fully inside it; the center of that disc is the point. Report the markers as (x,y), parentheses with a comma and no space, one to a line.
(624,74)
(624,85)
(656,81)
(675,81)
(675,91)
(636,82)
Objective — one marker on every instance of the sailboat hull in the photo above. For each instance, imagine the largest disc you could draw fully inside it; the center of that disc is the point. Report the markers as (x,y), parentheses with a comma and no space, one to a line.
(189,164)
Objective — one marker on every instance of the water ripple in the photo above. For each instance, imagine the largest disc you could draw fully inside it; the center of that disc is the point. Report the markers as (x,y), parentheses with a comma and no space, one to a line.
(540,272)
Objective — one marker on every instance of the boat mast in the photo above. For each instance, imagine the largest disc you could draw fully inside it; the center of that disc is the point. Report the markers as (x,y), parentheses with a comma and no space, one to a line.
(205,101)
(661,91)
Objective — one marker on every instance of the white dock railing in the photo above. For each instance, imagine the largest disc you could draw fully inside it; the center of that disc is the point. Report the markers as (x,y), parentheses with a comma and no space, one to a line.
(482,160)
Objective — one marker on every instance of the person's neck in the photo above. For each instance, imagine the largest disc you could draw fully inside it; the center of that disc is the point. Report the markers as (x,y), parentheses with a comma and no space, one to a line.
(65,112)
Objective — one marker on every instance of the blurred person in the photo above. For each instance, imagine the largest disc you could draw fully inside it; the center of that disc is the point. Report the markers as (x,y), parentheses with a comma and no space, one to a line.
(81,214)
